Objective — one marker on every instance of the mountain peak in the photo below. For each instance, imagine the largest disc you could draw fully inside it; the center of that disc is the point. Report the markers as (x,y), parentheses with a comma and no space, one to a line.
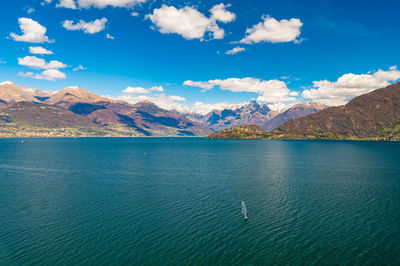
(148,106)
(145,102)
(74,94)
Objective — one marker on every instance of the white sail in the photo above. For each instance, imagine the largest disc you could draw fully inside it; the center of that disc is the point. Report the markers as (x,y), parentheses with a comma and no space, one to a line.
(244,209)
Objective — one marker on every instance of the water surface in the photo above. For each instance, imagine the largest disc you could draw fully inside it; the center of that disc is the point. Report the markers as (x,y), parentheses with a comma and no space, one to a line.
(178,202)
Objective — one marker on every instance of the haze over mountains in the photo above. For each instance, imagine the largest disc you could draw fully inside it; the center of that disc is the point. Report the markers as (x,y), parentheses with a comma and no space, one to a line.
(78,112)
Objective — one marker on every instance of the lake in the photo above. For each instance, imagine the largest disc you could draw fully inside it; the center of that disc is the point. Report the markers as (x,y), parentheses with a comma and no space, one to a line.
(177,201)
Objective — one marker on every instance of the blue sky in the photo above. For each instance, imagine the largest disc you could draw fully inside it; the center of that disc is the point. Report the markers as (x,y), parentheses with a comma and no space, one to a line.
(288,51)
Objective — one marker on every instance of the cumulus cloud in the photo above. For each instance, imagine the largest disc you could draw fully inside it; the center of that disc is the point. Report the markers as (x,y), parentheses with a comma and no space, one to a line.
(349,86)
(141,90)
(32,31)
(134,14)
(79,68)
(189,22)
(219,13)
(67,4)
(270,91)
(274,31)
(235,50)
(39,63)
(87,27)
(39,50)
(50,74)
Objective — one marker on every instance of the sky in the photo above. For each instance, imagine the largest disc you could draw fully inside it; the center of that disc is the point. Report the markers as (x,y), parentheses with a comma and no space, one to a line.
(201,55)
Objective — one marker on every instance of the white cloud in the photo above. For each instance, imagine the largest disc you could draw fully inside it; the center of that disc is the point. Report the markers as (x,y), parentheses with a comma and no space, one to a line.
(67,4)
(98,3)
(30,10)
(349,86)
(168,102)
(201,84)
(277,107)
(134,14)
(157,88)
(79,68)
(219,13)
(141,90)
(50,74)
(177,98)
(204,108)
(235,50)
(189,22)
(108,36)
(112,3)
(45,2)
(39,63)
(32,31)
(270,91)
(274,31)
(39,50)
(87,27)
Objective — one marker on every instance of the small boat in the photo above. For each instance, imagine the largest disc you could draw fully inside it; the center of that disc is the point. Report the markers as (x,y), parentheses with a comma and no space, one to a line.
(244,210)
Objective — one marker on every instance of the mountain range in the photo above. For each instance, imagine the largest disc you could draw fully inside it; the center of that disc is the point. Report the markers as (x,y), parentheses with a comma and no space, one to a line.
(74,111)
(254,113)
(372,116)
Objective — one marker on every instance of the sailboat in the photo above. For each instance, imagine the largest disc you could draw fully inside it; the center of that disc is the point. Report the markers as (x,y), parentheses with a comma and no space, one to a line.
(244,210)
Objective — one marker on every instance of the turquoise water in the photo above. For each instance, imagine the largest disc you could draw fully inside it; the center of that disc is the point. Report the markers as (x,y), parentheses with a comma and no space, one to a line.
(178,202)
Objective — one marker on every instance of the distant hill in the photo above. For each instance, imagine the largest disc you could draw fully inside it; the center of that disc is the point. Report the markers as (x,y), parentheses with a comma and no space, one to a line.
(27,119)
(241,132)
(375,115)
